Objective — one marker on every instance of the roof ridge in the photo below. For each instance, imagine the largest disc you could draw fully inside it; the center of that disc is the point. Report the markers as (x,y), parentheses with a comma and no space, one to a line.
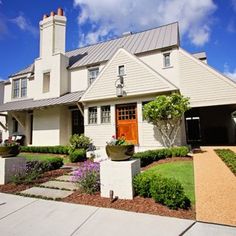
(121,36)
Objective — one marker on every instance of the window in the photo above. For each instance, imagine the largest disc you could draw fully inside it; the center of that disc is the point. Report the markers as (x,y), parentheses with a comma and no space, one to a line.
(92,115)
(121,70)
(105,114)
(46,82)
(166,59)
(23,87)
(92,75)
(16,88)
(14,126)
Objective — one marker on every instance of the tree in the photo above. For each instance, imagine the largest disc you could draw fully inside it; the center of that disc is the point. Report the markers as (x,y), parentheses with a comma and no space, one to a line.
(166,113)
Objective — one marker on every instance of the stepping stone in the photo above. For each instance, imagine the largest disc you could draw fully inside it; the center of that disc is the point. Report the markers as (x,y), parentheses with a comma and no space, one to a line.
(60,185)
(65,178)
(46,192)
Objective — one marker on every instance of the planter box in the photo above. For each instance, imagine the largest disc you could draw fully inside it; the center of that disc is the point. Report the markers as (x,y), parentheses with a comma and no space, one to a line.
(11,151)
(120,153)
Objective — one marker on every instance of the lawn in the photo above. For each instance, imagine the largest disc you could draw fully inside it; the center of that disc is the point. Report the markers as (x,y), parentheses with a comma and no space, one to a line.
(180,170)
(42,157)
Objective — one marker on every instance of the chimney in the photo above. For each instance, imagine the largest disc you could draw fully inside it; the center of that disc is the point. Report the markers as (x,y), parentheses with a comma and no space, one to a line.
(52,34)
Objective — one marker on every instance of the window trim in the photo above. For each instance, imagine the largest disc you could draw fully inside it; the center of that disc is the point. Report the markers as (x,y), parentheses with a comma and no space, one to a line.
(89,70)
(49,82)
(108,117)
(118,70)
(19,79)
(165,54)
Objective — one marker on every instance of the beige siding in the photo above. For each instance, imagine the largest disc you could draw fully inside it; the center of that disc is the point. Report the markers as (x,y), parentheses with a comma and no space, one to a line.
(139,78)
(202,84)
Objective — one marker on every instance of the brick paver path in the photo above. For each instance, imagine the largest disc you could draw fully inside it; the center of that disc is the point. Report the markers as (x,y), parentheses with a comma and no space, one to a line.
(215,189)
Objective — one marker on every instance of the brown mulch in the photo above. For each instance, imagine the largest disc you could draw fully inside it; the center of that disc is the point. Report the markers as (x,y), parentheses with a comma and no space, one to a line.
(167,160)
(49,175)
(138,204)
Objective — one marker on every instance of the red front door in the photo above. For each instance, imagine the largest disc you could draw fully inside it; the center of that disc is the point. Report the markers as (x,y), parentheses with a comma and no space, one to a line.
(126,122)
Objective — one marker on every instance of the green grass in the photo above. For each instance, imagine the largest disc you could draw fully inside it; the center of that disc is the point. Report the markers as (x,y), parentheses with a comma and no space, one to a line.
(43,157)
(182,171)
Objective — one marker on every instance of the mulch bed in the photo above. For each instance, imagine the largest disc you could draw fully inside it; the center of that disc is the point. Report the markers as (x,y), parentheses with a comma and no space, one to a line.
(138,204)
(167,160)
(49,175)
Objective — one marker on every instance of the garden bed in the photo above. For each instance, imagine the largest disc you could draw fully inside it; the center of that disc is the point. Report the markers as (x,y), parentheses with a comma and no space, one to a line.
(49,175)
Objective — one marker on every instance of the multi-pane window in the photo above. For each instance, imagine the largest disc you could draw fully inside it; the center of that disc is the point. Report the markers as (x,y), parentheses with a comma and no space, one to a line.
(121,70)
(92,115)
(105,114)
(46,82)
(16,88)
(19,88)
(166,58)
(23,87)
(92,74)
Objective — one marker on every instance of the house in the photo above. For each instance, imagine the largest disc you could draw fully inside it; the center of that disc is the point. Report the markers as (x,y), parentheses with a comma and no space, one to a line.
(3,116)
(100,90)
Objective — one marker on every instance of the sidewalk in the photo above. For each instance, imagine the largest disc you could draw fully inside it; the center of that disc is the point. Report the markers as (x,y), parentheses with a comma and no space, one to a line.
(23,216)
(215,189)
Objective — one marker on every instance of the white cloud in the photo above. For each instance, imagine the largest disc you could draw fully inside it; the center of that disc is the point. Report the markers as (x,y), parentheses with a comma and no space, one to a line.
(228,73)
(111,18)
(0,2)
(231,27)
(24,24)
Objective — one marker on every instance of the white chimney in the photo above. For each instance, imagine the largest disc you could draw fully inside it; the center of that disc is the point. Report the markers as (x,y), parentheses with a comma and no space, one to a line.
(52,34)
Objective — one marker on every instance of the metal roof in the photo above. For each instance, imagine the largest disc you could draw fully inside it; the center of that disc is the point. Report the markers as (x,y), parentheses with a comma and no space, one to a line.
(157,38)
(200,55)
(29,104)
(28,69)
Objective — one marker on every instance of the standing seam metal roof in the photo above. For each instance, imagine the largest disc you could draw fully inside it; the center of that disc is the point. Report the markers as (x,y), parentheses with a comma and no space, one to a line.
(157,38)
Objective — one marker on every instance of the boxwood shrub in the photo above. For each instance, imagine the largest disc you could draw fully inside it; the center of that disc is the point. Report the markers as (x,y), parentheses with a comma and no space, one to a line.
(166,191)
(77,155)
(147,157)
(46,149)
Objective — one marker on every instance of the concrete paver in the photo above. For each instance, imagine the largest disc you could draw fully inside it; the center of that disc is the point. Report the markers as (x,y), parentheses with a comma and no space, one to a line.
(204,229)
(60,185)
(47,192)
(215,189)
(64,178)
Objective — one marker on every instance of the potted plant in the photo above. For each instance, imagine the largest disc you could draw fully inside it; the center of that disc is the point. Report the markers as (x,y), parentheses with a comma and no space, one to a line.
(11,149)
(119,149)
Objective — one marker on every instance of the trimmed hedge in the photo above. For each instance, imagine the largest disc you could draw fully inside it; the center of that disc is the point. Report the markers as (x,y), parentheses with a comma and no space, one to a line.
(166,191)
(77,155)
(228,157)
(46,149)
(147,157)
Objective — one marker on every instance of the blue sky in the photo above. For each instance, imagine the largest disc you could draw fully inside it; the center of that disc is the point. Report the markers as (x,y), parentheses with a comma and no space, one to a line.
(204,25)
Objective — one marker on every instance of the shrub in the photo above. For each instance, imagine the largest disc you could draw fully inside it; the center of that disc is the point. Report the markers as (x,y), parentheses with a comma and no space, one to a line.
(141,184)
(79,142)
(163,190)
(88,177)
(229,158)
(53,163)
(169,192)
(147,157)
(46,149)
(78,155)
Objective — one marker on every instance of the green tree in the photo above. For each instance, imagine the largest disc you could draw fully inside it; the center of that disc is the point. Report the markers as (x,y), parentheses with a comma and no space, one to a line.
(166,113)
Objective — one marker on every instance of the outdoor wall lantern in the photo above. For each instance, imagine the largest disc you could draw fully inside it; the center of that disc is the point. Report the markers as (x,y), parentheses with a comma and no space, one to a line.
(233,115)
(119,86)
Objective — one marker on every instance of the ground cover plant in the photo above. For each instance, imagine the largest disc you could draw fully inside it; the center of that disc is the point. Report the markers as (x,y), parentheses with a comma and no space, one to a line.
(228,157)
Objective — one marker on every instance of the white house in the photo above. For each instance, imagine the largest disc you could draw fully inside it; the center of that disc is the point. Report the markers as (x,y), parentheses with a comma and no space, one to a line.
(99,90)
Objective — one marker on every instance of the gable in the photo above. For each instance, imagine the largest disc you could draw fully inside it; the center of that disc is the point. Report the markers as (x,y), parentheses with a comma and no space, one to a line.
(138,79)
(204,85)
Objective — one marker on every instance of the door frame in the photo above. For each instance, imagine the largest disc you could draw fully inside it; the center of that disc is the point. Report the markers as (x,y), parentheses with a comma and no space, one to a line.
(136,112)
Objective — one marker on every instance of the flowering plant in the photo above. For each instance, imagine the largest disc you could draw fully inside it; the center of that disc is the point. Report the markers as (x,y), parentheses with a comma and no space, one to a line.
(87,177)
(118,141)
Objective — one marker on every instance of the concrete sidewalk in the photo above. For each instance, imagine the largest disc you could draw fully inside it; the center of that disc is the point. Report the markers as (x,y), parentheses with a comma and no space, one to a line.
(23,216)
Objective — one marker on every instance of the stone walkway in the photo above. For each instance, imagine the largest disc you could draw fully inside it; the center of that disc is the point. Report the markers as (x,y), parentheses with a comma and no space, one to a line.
(59,188)
(215,189)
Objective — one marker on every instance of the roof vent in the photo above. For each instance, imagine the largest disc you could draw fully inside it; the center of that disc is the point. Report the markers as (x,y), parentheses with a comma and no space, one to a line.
(127,33)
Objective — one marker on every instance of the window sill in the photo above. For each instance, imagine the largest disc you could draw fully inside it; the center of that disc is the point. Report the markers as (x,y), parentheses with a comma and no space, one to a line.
(19,98)
(168,67)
